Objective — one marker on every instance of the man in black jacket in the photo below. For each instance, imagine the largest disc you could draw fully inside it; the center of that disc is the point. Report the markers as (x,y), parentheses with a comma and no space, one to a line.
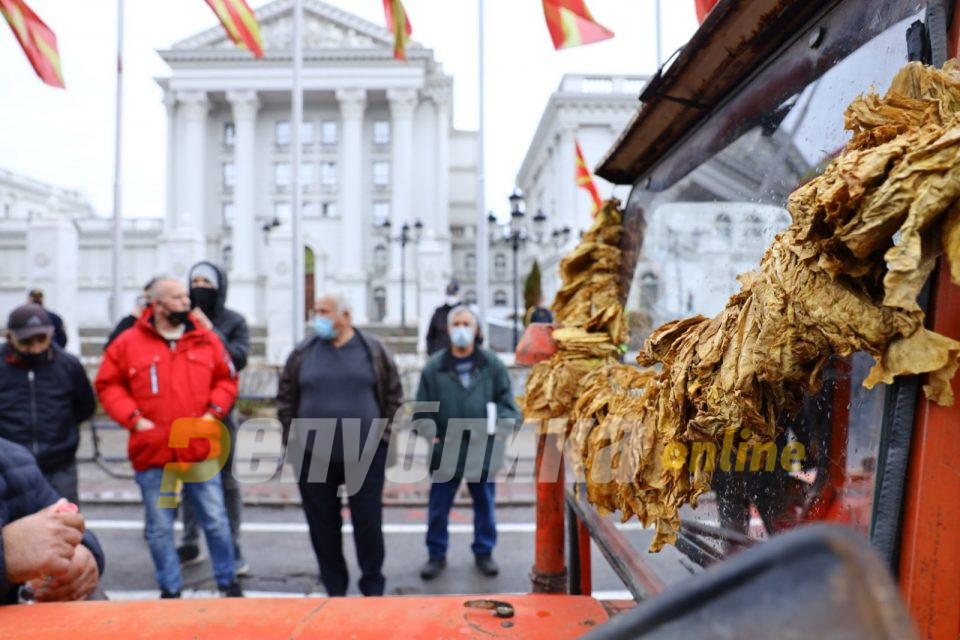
(346,383)
(44,396)
(59,333)
(36,542)
(438,338)
(208,297)
(128,321)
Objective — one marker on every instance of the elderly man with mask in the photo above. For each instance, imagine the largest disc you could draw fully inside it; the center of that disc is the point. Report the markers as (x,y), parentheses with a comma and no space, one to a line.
(44,396)
(474,393)
(338,391)
(165,368)
(208,297)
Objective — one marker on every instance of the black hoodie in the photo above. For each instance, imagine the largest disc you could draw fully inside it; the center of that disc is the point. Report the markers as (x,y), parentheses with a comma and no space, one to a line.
(228,324)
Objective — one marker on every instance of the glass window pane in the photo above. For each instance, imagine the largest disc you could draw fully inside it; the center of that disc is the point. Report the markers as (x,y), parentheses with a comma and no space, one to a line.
(282,132)
(229,174)
(328,174)
(329,132)
(329,209)
(281,174)
(228,214)
(306,133)
(229,132)
(381,132)
(381,173)
(308,173)
(281,210)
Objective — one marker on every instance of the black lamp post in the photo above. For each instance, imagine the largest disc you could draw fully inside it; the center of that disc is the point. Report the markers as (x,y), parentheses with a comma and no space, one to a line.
(516,237)
(405,238)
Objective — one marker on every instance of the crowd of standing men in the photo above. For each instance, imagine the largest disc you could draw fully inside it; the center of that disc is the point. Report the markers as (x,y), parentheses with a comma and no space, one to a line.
(178,355)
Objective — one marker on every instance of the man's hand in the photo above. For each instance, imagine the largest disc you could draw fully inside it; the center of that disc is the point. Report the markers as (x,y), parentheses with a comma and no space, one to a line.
(41,544)
(79,581)
(201,318)
(143,424)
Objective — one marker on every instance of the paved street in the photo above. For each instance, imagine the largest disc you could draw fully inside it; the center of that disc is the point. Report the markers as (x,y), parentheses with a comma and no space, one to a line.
(277,546)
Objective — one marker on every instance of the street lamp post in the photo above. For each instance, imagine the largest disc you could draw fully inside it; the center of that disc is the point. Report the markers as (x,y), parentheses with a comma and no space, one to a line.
(516,237)
(405,238)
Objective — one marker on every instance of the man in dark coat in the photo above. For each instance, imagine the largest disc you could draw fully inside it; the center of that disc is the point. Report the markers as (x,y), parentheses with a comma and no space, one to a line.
(208,297)
(128,321)
(472,388)
(44,396)
(346,382)
(437,337)
(36,541)
(59,333)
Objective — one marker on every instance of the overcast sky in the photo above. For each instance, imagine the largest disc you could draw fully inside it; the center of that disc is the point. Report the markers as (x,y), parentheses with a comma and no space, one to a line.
(66,137)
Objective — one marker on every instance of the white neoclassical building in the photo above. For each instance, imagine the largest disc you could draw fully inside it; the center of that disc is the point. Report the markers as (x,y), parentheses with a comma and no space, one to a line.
(378,146)
(592,109)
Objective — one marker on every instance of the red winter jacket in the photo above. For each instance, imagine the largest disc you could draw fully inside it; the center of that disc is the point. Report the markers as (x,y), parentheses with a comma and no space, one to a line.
(141,375)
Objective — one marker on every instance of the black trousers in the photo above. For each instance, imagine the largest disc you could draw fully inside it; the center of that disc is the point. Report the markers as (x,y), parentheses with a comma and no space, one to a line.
(322,507)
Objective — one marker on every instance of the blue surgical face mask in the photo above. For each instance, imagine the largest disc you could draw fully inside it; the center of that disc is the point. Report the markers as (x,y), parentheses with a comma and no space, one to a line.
(323,327)
(461,337)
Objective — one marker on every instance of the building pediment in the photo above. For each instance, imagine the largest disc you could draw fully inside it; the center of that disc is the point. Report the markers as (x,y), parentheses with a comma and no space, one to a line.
(324,27)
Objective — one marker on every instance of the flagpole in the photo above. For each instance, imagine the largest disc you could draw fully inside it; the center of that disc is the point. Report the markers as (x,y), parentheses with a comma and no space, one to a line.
(657,23)
(481,239)
(116,298)
(296,100)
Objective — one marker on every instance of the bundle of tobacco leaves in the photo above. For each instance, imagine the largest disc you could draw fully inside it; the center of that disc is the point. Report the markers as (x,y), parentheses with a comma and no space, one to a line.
(591,324)
(844,277)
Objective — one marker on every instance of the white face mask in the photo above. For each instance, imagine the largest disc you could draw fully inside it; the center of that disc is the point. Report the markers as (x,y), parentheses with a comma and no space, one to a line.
(461,337)
(453,301)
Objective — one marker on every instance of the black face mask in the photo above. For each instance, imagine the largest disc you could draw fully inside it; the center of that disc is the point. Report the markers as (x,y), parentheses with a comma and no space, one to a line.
(31,359)
(205,298)
(177,318)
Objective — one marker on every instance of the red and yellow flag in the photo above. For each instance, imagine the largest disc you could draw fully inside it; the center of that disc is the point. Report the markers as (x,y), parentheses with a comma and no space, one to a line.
(703,8)
(36,39)
(571,24)
(585,180)
(240,23)
(398,22)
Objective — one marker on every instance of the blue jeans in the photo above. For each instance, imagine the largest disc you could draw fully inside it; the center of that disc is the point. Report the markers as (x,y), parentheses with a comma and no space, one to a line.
(207,501)
(484,517)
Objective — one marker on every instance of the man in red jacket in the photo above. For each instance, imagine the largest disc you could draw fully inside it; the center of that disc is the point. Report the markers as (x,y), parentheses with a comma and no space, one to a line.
(165,368)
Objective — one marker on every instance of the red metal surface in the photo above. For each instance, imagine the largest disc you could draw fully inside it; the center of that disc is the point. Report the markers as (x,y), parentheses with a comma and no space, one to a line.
(535,616)
(586,561)
(536,344)
(930,543)
(930,546)
(549,568)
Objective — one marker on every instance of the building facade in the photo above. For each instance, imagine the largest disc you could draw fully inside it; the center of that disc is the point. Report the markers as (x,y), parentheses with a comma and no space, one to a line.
(591,110)
(378,147)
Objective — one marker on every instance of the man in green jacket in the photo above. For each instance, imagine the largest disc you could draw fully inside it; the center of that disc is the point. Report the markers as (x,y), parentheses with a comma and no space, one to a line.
(476,411)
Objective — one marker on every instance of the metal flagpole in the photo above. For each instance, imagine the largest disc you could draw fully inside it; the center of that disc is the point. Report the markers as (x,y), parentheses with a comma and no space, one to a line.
(116,298)
(657,23)
(296,100)
(481,239)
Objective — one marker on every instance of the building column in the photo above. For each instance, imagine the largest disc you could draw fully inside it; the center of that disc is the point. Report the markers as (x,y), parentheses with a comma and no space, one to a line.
(243,279)
(352,276)
(184,242)
(441,219)
(403,102)
(53,263)
(566,177)
(170,102)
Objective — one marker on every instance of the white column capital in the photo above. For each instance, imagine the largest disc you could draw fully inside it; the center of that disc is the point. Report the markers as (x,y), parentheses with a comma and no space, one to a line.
(195,104)
(244,103)
(352,102)
(402,102)
(169,101)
